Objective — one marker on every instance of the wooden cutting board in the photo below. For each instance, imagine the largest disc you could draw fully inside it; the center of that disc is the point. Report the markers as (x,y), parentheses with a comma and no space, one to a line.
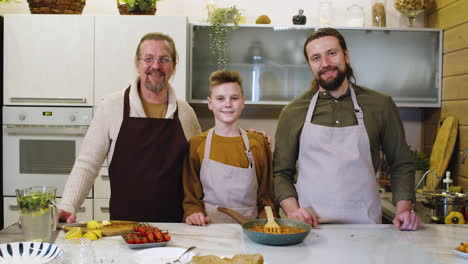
(442,151)
(118,227)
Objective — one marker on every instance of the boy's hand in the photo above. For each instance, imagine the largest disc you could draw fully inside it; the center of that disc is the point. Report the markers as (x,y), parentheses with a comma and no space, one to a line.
(197,219)
(264,134)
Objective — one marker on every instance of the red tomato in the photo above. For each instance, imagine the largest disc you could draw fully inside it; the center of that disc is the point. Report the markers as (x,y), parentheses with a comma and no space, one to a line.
(137,240)
(131,241)
(144,240)
(166,236)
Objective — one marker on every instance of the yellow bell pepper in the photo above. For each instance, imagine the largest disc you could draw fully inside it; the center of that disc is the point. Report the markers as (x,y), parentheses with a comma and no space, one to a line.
(454,218)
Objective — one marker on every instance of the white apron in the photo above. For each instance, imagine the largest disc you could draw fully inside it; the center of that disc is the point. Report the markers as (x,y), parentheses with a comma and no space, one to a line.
(228,186)
(336,178)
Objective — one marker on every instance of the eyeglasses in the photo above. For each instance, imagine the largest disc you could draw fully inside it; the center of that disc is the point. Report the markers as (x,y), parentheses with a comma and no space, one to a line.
(150,60)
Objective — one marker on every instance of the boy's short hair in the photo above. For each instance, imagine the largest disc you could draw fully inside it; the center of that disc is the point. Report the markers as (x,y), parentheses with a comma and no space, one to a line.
(225,76)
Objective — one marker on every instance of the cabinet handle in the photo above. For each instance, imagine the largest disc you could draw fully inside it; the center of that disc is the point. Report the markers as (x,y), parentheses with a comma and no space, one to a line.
(105,209)
(47,100)
(13,207)
(81,210)
(105,177)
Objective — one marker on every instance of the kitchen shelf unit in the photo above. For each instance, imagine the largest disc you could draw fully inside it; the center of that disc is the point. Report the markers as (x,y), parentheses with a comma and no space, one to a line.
(403,63)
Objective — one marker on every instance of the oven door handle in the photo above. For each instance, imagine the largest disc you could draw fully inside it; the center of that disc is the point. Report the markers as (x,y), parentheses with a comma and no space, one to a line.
(40,130)
(76,100)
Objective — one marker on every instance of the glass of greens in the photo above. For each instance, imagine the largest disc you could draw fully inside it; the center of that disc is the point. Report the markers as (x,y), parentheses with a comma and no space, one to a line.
(38,211)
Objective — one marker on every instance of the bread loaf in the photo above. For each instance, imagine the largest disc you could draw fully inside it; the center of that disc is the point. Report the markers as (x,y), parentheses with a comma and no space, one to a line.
(237,259)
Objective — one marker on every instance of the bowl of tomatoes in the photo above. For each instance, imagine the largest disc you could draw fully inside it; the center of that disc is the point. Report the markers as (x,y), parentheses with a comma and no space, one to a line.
(146,236)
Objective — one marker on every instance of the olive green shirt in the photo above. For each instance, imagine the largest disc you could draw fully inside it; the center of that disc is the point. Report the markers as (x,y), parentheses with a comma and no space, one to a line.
(384,129)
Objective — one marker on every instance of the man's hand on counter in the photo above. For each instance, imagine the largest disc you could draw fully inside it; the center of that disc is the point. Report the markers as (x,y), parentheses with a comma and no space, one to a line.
(293,211)
(405,219)
(66,216)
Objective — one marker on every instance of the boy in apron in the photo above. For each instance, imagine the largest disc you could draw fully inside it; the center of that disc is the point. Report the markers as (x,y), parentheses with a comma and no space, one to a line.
(226,165)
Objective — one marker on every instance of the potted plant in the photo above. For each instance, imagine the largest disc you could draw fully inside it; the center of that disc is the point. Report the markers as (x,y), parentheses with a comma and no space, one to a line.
(56,7)
(422,164)
(137,7)
(219,20)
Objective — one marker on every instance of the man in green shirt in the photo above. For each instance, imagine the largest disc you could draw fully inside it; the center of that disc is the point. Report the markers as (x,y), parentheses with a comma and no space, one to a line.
(332,136)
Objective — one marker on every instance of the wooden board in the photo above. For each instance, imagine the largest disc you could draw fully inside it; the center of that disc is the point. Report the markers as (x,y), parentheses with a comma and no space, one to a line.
(117,228)
(442,151)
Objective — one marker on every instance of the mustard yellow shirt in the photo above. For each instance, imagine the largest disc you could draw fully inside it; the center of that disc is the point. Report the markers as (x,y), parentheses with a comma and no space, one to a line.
(154,110)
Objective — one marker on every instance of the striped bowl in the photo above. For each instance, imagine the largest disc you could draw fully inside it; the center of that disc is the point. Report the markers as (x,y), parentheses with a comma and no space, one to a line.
(29,252)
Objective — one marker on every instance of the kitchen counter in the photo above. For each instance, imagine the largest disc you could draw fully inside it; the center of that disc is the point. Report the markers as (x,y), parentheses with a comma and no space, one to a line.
(326,244)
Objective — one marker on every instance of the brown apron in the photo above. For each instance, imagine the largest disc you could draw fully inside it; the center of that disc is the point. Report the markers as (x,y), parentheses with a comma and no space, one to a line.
(146,169)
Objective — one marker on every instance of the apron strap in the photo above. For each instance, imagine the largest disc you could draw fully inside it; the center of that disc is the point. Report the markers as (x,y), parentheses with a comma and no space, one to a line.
(209,138)
(126,112)
(357,109)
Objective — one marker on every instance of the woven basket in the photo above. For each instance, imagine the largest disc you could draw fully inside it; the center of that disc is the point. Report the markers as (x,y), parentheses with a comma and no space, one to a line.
(123,10)
(56,6)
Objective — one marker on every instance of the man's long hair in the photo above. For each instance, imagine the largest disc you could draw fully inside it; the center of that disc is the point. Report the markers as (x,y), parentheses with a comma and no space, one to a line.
(325,32)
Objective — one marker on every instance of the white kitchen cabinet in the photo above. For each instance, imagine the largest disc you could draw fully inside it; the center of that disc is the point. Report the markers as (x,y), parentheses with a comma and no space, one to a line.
(48,60)
(102,184)
(11,213)
(101,209)
(117,38)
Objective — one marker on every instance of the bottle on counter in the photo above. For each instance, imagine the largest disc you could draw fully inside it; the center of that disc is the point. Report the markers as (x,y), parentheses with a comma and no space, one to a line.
(299,19)
(378,13)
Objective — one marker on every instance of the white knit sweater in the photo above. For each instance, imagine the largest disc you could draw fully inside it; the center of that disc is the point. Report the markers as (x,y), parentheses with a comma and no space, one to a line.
(102,134)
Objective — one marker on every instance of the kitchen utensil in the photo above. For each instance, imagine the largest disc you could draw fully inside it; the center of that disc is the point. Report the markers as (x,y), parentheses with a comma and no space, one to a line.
(271,226)
(267,238)
(180,257)
(116,228)
(443,203)
(442,150)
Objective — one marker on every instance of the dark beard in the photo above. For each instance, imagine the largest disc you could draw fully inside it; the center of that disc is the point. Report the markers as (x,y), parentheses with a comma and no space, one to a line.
(334,83)
(155,87)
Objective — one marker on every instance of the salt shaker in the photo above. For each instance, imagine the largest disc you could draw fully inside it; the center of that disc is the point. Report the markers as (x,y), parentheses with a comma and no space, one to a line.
(299,19)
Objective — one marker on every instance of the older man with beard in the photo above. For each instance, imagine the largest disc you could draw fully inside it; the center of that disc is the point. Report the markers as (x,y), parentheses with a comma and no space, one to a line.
(143,132)
(332,136)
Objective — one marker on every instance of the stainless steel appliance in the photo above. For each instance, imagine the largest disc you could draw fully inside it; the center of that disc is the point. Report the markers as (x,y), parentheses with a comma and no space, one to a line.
(40,145)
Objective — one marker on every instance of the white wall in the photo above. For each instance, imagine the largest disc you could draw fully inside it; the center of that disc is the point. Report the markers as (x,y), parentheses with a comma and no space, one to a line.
(280,12)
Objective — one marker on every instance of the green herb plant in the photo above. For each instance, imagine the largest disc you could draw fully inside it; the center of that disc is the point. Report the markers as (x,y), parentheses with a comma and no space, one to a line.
(422,160)
(218,33)
(134,5)
(36,201)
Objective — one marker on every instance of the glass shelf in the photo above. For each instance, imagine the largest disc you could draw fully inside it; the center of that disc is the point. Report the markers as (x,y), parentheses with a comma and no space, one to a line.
(404,63)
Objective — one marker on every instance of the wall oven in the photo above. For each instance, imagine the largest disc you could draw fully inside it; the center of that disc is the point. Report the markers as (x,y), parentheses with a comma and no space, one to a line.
(40,145)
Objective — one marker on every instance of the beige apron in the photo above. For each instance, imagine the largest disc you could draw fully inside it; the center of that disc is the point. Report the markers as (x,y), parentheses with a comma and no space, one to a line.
(228,186)
(336,178)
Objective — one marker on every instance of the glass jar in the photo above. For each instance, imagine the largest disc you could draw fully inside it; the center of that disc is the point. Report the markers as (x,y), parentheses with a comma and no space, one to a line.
(378,13)
(325,13)
(355,16)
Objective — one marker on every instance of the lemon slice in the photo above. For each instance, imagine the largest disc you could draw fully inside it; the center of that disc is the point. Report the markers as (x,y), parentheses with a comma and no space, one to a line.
(93,224)
(74,233)
(106,223)
(90,235)
(97,232)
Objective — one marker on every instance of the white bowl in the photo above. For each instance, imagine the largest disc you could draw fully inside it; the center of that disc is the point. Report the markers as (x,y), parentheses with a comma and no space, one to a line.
(29,252)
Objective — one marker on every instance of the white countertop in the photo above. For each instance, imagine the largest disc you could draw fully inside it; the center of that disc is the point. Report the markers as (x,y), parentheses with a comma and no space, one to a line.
(326,244)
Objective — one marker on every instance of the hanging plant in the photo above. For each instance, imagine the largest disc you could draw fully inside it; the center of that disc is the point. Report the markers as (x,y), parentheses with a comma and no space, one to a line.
(218,33)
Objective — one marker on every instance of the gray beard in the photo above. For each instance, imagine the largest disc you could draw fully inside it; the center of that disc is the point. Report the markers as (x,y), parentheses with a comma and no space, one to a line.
(155,87)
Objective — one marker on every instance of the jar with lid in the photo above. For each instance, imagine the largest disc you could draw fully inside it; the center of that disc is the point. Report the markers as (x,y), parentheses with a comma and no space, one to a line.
(325,13)
(355,16)
(378,13)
